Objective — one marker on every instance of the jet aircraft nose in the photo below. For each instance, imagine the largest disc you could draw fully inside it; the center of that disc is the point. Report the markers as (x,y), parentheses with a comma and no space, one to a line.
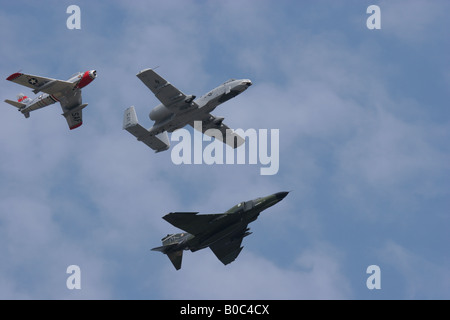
(281,195)
(247,82)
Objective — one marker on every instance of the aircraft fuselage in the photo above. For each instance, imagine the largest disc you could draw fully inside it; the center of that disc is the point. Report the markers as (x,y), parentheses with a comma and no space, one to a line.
(165,120)
(80,80)
(235,218)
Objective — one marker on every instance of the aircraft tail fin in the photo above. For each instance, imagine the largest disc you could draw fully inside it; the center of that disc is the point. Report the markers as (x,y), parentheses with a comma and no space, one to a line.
(174,256)
(159,142)
(23,98)
(21,103)
(171,247)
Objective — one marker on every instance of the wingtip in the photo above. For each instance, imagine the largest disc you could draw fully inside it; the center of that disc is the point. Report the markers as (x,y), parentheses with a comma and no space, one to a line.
(146,70)
(76,126)
(14,76)
(143,71)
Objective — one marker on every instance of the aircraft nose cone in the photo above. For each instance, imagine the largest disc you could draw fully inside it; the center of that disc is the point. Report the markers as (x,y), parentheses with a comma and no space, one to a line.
(281,195)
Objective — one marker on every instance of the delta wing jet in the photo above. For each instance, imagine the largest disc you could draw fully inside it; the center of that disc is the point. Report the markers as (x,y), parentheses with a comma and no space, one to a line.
(178,110)
(222,232)
(68,93)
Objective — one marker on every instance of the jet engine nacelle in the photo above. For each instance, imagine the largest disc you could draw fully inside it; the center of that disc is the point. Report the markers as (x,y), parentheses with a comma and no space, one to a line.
(87,78)
(159,113)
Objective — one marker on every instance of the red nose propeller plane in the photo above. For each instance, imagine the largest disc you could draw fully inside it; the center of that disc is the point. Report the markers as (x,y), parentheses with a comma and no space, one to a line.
(68,93)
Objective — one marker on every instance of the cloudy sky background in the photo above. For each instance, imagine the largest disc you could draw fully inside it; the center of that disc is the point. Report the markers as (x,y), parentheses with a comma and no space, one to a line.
(364,146)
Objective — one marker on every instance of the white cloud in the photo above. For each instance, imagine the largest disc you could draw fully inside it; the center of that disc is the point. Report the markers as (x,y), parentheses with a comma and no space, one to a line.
(316,274)
(423,279)
(413,21)
(95,195)
(37,254)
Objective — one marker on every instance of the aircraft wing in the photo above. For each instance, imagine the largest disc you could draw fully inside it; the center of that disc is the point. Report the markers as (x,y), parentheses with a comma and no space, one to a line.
(74,118)
(172,98)
(227,249)
(190,221)
(37,83)
(211,122)
(72,107)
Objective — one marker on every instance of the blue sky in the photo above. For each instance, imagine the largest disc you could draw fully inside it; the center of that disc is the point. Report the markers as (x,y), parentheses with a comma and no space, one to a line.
(364,129)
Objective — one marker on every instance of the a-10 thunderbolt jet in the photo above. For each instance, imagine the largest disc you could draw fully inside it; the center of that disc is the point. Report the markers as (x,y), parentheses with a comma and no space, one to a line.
(68,93)
(178,110)
(222,232)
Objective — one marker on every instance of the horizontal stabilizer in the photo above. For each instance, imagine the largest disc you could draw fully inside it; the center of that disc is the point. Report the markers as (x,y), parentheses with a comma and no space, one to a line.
(160,249)
(164,249)
(159,142)
(15,103)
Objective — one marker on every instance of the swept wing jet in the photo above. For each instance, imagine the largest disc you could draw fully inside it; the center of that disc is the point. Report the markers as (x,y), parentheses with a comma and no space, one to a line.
(178,110)
(222,232)
(68,93)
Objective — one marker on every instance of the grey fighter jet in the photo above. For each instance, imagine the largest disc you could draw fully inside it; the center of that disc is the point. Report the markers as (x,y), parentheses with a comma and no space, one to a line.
(68,93)
(178,110)
(222,232)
